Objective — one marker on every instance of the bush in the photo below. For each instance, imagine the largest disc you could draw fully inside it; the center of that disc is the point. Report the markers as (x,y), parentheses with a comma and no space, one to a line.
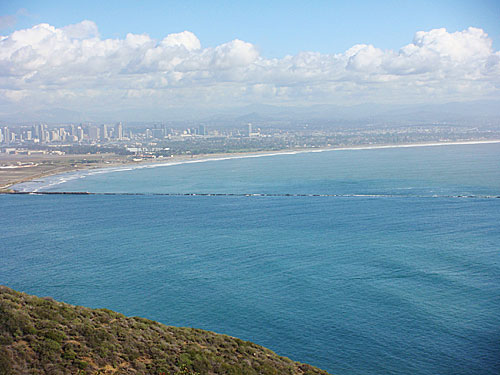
(57,336)
(81,364)
(5,362)
(44,336)
(69,354)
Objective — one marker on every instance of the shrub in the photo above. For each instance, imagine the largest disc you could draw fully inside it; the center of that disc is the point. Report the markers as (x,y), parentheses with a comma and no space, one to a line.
(5,362)
(69,354)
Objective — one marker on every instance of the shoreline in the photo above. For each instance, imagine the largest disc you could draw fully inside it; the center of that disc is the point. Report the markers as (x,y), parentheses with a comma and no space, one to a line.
(183,159)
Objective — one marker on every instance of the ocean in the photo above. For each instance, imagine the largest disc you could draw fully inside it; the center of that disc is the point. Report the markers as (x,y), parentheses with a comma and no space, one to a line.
(375,261)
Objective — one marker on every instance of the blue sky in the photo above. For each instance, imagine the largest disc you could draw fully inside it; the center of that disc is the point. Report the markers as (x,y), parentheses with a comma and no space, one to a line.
(154,58)
(276,27)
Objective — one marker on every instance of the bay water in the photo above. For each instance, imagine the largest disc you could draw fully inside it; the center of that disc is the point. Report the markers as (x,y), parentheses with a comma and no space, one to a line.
(378,261)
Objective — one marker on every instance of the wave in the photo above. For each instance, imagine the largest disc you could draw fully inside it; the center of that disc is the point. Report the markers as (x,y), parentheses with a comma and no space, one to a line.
(471,196)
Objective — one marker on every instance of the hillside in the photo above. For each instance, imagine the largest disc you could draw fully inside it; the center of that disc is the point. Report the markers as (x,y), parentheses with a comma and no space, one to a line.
(43,336)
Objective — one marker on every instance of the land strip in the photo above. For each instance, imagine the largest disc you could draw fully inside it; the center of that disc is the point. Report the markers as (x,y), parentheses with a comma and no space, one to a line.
(15,169)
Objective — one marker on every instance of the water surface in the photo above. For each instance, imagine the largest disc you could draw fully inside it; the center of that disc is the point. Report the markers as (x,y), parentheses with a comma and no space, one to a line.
(402,282)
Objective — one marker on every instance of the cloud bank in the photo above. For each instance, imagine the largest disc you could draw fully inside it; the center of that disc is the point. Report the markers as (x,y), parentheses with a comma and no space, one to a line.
(73,67)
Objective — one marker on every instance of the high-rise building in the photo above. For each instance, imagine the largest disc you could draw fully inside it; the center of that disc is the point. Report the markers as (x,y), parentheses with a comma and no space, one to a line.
(104,132)
(6,135)
(249,130)
(158,133)
(42,132)
(94,133)
(35,131)
(54,136)
(119,131)
(79,133)
(202,130)
(62,134)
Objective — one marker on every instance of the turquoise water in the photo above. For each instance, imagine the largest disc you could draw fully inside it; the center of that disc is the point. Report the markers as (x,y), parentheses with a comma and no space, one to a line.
(404,281)
(444,170)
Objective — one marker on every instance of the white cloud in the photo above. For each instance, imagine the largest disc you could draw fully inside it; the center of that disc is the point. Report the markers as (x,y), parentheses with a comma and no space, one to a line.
(73,66)
(234,54)
(83,30)
(185,39)
(364,58)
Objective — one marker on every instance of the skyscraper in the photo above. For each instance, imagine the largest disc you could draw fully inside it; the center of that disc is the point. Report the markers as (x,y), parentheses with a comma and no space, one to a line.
(94,133)
(104,132)
(80,133)
(42,133)
(118,131)
(202,130)
(35,131)
(6,135)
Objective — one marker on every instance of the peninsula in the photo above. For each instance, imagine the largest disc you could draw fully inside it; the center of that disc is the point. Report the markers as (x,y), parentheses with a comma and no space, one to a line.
(43,336)
(35,151)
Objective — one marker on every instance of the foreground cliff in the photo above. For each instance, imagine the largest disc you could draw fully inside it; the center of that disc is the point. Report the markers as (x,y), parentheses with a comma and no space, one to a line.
(43,336)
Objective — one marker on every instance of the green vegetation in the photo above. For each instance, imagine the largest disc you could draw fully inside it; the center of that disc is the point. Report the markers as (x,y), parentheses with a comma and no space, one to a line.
(43,336)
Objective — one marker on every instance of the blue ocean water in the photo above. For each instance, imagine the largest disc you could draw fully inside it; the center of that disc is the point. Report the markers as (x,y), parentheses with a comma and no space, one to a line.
(392,271)
(444,170)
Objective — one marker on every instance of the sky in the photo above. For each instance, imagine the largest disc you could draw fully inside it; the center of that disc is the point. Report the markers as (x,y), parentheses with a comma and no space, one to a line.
(151,56)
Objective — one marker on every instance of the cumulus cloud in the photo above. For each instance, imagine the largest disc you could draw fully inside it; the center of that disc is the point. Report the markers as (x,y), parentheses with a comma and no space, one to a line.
(185,39)
(83,30)
(73,65)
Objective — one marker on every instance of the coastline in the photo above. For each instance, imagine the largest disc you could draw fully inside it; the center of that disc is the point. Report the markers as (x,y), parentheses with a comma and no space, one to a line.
(125,164)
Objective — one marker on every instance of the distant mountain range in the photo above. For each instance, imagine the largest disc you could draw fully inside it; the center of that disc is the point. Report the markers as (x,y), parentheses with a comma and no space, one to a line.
(484,111)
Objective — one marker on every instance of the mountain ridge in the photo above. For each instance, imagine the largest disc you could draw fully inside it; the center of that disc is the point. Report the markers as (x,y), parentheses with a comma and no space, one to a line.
(44,336)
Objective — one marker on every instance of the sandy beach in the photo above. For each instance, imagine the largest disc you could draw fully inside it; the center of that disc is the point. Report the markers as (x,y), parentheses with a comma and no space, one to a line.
(16,169)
